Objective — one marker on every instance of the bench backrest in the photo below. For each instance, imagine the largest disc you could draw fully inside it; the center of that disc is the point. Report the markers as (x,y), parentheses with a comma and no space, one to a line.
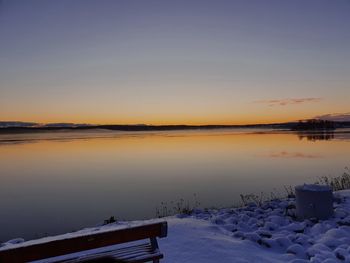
(80,243)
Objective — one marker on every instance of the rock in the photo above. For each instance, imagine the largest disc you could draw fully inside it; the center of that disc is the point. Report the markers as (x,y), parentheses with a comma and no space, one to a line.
(296,249)
(341,253)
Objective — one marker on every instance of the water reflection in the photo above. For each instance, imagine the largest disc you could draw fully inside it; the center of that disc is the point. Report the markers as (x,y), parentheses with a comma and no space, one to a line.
(58,182)
(316,136)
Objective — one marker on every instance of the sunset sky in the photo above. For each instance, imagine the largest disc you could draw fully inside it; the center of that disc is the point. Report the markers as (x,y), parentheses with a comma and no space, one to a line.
(173,62)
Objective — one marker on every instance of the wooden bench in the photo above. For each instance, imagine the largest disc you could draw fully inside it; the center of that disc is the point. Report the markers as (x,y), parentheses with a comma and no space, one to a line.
(113,244)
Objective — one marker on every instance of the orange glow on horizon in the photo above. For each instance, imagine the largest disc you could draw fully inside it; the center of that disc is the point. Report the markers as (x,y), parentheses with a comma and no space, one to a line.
(169,121)
(244,114)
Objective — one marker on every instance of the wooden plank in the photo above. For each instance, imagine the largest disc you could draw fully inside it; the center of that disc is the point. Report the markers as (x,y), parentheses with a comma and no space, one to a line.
(142,259)
(137,253)
(81,243)
(122,252)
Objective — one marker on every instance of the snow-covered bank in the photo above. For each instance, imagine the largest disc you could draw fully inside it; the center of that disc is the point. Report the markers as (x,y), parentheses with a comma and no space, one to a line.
(272,228)
(193,240)
(251,234)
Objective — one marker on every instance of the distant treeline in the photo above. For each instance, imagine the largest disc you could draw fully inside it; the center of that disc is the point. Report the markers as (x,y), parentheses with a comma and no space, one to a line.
(297,126)
(133,128)
(315,124)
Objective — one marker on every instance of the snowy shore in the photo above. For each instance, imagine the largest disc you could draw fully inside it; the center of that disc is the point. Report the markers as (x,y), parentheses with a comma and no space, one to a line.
(266,233)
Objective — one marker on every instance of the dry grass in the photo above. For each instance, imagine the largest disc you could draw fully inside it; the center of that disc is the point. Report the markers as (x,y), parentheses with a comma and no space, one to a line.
(337,183)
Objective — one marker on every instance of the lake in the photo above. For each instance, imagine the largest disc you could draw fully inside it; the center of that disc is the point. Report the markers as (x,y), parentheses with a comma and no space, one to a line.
(57,182)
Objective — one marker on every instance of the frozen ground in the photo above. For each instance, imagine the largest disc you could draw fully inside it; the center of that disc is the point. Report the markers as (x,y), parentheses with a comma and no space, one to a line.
(250,234)
(193,240)
(276,236)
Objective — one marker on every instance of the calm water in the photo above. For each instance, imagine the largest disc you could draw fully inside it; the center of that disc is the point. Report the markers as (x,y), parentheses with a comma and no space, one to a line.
(57,182)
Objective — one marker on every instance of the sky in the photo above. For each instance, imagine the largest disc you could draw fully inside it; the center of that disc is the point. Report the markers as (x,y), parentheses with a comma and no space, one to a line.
(174,62)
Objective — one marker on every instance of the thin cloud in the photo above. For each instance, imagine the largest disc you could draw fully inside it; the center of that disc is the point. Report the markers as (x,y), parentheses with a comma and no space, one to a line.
(335,117)
(290,101)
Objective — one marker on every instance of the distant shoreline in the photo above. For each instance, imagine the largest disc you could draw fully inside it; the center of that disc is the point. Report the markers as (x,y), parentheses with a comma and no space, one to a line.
(138,128)
(283,126)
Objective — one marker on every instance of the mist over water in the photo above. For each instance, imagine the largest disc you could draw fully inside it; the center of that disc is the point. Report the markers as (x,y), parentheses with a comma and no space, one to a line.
(62,181)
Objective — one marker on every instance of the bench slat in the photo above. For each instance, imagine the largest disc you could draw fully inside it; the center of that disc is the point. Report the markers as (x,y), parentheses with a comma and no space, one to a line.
(124,252)
(138,253)
(140,259)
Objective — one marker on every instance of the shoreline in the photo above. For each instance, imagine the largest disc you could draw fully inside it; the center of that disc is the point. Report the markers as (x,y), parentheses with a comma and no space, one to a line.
(268,230)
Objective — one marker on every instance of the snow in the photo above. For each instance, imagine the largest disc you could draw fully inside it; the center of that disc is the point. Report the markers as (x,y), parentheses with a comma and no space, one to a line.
(266,233)
(193,240)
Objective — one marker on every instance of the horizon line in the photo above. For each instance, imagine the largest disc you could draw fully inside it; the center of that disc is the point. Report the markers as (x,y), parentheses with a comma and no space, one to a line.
(45,124)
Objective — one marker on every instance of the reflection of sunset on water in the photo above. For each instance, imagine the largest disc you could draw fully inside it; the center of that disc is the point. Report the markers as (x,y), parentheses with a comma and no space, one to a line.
(66,174)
